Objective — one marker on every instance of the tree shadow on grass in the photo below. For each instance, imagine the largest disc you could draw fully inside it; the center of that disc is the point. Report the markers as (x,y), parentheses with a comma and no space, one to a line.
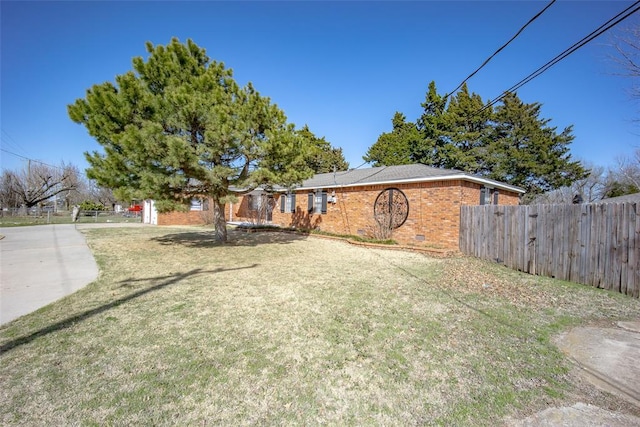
(206,239)
(70,321)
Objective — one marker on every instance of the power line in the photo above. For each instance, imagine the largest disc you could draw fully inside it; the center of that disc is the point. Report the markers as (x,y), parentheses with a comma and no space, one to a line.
(536,16)
(8,140)
(626,13)
(358,167)
(31,160)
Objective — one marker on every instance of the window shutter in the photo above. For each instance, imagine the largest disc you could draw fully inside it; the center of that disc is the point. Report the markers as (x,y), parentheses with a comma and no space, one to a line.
(324,202)
(495,197)
(293,202)
(483,195)
(283,202)
(310,203)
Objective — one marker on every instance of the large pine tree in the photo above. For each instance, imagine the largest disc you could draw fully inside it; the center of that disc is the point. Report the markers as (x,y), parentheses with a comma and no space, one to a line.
(394,148)
(525,151)
(429,148)
(321,156)
(178,126)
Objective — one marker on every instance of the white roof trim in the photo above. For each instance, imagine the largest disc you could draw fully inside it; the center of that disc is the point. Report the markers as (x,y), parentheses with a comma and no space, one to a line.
(464,177)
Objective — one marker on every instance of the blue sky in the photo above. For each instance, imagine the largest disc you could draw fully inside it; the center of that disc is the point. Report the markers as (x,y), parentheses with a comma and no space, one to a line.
(343,68)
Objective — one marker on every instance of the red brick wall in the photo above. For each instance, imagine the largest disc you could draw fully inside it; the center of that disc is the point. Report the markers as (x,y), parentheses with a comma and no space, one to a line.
(232,212)
(182,218)
(433,220)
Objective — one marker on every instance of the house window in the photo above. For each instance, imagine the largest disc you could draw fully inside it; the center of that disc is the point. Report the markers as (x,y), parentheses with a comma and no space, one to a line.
(488,196)
(197,205)
(317,202)
(288,203)
(253,202)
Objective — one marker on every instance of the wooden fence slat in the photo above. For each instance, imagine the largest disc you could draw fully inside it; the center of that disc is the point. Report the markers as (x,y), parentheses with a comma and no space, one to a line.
(522,237)
(563,245)
(552,247)
(585,238)
(465,239)
(575,222)
(532,241)
(602,243)
(488,235)
(542,239)
(609,248)
(634,256)
(575,225)
(628,244)
(518,231)
(619,258)
(600,234)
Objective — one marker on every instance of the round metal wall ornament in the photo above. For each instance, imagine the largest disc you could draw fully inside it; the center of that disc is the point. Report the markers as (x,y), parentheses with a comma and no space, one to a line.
(391,208)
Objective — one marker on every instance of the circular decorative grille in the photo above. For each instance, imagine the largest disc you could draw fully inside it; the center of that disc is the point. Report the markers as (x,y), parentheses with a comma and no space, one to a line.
(391,208)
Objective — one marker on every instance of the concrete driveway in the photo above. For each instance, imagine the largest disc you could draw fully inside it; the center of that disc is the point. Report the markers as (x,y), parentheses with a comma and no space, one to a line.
(41,264)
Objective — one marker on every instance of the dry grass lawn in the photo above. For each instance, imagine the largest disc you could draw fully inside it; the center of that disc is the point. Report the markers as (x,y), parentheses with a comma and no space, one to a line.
(278,328)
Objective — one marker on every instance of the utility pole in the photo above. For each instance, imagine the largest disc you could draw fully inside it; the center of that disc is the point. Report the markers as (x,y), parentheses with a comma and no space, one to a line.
(28,178)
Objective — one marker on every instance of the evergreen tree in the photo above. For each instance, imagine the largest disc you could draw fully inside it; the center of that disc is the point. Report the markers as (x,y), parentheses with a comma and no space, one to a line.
(618,188)
(178,126)
(524,151)
(428,149)
(321,156)
(464,131)
(394,148)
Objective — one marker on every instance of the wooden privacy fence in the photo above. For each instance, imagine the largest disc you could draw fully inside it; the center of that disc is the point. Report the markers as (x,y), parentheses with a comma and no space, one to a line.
(593,244)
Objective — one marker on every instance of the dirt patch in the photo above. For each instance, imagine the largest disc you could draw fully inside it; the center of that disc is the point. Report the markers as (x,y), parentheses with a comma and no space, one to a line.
(578,415)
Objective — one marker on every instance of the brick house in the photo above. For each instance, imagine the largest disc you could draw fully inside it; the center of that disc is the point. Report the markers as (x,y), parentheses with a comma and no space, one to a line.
(419,204)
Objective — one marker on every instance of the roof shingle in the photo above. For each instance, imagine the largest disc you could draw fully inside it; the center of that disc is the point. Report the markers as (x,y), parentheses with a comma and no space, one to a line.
(629,198)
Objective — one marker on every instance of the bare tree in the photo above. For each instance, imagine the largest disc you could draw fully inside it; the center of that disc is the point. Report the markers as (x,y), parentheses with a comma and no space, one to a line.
(629,169)
(8,199)
(625,177)
(380,228)
(79,188)
(593,187)
(39,182)
(590,189)
(259,208)
(99,194)
(627,46)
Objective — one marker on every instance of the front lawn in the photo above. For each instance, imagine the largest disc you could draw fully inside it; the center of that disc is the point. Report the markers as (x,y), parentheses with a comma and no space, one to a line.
(280,328)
